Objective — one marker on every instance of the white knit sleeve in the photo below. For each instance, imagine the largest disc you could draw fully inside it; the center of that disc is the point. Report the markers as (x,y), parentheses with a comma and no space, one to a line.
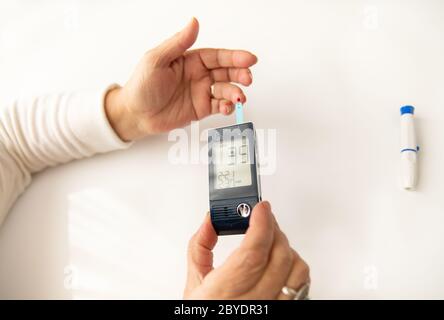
(46,131)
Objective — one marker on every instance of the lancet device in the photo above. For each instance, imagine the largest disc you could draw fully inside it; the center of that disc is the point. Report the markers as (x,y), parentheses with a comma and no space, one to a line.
(409,149)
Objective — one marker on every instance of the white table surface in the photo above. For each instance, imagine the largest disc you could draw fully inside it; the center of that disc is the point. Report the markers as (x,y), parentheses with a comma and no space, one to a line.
(330,79)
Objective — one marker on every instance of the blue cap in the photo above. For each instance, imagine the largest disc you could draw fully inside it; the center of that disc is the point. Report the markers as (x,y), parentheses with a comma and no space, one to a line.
(407,109)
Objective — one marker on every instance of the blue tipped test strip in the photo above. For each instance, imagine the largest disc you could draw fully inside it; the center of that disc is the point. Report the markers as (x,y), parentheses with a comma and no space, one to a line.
(239,113)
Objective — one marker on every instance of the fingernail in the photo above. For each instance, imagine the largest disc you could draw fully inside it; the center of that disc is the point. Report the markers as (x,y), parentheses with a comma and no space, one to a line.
(267,205)
(227,110)
(190,22)
(250,74)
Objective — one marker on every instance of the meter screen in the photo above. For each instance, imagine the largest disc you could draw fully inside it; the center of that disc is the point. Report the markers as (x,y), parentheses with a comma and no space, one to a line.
(231,160)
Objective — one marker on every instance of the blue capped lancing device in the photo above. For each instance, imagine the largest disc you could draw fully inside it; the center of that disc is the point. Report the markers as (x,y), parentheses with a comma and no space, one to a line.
(234,180)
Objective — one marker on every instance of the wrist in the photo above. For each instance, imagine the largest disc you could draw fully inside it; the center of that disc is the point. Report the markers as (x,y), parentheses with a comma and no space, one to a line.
(120,117)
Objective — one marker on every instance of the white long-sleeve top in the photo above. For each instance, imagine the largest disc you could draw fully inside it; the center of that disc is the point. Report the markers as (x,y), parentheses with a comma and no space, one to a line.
(46,131)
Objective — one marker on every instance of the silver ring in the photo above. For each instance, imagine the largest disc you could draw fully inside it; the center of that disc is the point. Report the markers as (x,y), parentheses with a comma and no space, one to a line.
(301,294)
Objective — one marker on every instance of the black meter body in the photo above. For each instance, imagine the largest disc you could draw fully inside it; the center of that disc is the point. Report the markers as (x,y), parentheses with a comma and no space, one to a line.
(234,181)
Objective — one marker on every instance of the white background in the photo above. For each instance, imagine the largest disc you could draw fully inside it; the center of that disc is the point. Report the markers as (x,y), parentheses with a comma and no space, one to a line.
(330,79)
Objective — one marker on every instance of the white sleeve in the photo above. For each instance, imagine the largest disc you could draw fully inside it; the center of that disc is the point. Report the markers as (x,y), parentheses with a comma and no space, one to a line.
(47,131)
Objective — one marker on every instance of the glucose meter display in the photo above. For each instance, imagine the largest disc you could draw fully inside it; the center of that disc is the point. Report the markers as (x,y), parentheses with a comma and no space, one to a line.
(231,163)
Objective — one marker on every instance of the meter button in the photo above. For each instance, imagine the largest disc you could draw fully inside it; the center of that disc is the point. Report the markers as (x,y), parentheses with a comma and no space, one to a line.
(243,210)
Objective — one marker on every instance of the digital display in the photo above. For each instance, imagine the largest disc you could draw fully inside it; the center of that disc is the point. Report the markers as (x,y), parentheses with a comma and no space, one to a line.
(231,160)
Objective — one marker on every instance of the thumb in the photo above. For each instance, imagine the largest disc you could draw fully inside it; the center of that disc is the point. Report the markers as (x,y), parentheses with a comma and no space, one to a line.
(175,46)
(260,235)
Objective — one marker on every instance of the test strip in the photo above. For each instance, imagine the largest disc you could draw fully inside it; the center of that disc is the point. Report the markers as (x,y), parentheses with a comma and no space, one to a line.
(239,113)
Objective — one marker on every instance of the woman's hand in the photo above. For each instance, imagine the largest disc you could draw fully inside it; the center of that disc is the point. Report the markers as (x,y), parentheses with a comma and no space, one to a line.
(172,86)
(259,269)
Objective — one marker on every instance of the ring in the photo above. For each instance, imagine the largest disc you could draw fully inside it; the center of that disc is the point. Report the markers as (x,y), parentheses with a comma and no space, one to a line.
(301,294)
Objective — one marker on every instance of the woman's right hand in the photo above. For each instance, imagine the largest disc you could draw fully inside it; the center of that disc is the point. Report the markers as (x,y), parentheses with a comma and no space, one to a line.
(259,269)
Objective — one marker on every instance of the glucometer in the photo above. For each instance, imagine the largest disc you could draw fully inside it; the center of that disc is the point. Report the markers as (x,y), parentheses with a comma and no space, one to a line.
(234,180)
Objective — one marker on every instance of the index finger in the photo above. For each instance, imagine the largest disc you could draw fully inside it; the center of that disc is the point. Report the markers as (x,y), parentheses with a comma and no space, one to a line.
(200,247)
(224,58)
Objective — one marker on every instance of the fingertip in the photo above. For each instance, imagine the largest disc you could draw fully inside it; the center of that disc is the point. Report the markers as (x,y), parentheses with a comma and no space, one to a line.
(195,23)
(262,214)
(244,59)
(206,235)
(190,33)
(255,59)
(246,78)
(226,107)
(250,75)
(207,225)
(239,97)
(195,20)
(250,59)
(264,206)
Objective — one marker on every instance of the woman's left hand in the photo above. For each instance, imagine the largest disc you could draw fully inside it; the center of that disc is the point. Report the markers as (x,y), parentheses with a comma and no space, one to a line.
(172,86)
